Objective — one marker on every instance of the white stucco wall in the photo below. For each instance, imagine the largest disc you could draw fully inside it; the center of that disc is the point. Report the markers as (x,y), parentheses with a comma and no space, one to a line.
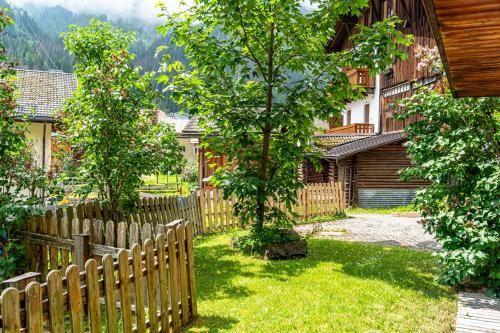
(358,108)
(34,132)
(190,145)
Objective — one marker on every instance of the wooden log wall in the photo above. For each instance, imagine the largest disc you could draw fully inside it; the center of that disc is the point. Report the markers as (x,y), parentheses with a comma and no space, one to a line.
(153,286)
(380,167)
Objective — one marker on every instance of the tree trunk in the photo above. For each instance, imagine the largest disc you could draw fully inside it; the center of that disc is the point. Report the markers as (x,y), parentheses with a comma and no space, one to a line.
(261,203)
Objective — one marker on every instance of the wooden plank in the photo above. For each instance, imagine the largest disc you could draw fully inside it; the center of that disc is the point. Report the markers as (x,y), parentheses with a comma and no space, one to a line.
(34,309)
(190,269)
(174,279)
(109,294)
(181,240)
(163,282)
(125,306)
(228,214)
(56,304)
(202,212)
(221,211)
(98,232)
(10,311)
(92,282)
(146,232)
(53,251)
(152,211)
(215,194)
(138,288)
(64,252)
(110,234)
(121,235)
(133,235)
(75,303)
(150,285)
(210,222)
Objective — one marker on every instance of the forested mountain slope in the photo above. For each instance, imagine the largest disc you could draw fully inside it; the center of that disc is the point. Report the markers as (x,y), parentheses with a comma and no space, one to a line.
(34,40)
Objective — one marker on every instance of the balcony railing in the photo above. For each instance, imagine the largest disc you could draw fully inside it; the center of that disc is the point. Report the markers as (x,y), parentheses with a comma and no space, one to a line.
(360,77)
(352,129)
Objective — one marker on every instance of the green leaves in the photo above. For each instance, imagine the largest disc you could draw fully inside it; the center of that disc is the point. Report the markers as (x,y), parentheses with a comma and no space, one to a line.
(455,145)
(259,76)
(111,120)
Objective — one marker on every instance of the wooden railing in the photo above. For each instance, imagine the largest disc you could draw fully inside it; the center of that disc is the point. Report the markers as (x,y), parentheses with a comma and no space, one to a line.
(360,77)
(353,129)
(152,285)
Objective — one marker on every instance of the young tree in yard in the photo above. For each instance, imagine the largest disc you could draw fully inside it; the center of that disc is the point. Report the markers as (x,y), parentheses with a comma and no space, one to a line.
(260,75)
(111,119)
(456,146)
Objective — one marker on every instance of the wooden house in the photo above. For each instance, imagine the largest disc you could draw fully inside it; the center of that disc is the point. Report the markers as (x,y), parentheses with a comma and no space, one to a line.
(369,164)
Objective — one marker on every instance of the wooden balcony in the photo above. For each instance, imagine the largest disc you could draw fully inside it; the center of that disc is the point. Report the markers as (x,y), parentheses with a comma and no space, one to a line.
(360,77)
(352,129)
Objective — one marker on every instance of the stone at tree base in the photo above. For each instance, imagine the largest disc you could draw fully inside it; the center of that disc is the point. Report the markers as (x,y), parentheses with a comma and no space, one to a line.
(287,250)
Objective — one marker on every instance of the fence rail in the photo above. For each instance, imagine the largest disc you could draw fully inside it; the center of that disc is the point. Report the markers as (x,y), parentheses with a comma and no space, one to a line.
(147,287)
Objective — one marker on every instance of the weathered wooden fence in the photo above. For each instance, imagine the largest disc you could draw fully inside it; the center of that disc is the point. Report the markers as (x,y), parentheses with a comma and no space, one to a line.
(208,209)
(150,289)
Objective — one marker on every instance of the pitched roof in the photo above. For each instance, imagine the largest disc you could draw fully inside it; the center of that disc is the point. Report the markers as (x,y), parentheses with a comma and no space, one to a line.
(43,92)
(178,122)
(326,142)
(365,144)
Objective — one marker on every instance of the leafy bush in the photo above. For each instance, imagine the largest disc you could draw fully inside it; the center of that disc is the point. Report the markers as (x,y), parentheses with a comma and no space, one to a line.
(256,240)
(22,183)
(456,147)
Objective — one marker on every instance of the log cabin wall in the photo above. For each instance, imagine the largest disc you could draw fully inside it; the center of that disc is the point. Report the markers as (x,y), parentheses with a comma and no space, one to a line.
(379,167)
(310,175)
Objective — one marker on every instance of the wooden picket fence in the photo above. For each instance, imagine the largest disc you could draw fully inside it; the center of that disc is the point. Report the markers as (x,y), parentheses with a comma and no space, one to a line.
(208,210)
(155,291)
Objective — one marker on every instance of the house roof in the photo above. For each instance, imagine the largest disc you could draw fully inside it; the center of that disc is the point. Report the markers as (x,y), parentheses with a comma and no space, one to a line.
(177,122)
(467,33)
(43,92)
(368,143)
(325,142)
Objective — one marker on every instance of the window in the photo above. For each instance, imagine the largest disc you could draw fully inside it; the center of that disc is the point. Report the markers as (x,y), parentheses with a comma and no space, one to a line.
(367,114)
(348,117)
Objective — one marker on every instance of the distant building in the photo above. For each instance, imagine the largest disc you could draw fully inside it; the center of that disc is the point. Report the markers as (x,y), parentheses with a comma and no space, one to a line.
(42,94)
(190,142)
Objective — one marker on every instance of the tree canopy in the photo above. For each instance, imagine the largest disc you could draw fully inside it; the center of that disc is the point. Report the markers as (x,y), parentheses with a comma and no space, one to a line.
(111,120)
(258,78)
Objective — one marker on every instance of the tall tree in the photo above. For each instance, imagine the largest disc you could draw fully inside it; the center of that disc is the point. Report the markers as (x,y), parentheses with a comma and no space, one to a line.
(259,76)
(111,118)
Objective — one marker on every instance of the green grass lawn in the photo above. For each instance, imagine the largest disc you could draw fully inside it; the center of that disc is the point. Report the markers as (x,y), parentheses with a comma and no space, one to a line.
(338,287)
(389,210)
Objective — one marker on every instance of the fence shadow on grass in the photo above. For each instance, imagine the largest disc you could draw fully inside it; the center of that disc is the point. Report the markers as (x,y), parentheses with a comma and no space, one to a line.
(404,268)
(212,324)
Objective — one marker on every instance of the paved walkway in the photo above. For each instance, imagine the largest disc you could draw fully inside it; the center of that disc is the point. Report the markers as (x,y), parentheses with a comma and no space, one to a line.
(391,229)
(478,313)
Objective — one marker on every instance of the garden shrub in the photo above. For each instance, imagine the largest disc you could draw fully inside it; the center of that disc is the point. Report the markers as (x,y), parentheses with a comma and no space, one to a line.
(456,147)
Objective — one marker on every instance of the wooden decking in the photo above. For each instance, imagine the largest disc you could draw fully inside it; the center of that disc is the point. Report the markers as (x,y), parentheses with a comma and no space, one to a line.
(478,313)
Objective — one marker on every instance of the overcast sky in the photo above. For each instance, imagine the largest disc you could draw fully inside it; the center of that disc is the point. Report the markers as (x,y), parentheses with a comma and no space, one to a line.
(144,9)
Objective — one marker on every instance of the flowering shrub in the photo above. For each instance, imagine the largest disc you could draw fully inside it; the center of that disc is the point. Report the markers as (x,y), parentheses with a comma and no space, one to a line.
(456,147)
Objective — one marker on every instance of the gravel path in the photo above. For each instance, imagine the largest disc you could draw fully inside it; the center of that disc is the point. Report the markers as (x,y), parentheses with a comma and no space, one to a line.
(393,230)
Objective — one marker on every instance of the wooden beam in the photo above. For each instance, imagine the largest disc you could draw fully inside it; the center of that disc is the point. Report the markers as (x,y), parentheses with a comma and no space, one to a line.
(430,10)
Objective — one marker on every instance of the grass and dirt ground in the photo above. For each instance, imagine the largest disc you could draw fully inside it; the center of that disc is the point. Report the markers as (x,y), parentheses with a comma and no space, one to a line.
(339,287)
